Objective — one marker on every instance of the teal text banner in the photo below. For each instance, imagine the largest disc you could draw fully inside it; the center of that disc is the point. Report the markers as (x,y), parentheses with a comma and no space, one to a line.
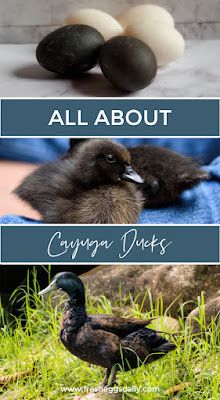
(109,244)
(110,117)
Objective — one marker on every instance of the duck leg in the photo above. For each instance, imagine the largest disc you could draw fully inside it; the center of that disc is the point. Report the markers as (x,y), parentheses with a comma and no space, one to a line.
(106,378)
(114,371)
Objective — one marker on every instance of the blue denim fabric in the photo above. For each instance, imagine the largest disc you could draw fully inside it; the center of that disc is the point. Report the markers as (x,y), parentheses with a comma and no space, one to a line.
(203,150)
(40,150)
(32,150)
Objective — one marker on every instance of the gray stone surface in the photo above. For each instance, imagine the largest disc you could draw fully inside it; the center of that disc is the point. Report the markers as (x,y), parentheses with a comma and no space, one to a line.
(176,284)
(211,311)
(195,74)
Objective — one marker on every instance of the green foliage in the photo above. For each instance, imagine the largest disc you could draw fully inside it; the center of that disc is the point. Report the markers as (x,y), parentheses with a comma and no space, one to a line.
(32,342)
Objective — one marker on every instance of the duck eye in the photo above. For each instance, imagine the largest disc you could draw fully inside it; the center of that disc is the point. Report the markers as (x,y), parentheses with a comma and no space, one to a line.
(110,159)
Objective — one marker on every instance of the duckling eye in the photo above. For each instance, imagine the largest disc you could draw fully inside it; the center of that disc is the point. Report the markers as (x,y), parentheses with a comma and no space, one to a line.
(110,159)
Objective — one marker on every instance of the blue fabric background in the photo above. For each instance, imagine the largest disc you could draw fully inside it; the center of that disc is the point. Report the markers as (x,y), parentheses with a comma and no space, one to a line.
(200,205)
(39,150)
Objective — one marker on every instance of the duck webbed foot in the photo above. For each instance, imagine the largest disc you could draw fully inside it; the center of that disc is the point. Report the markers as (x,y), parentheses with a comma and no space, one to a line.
(106,378)
(110,373)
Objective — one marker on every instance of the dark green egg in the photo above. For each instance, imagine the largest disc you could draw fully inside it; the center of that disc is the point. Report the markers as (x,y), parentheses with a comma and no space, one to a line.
(70,50)
(128,63)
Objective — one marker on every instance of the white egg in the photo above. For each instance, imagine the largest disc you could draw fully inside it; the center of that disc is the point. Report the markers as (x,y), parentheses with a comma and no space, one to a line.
(145,13)
(166,42)
(104,23)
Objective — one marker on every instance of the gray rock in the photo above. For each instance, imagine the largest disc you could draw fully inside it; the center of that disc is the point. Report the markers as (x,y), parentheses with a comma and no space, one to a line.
(211,312)
(176,284)
(166,324)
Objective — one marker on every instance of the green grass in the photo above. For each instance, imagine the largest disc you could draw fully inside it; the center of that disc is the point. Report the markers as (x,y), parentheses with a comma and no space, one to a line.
(36,345)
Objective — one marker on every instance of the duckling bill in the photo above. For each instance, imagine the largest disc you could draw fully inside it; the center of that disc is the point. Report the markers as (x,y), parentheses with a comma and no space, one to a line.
(97,185)
(105,340)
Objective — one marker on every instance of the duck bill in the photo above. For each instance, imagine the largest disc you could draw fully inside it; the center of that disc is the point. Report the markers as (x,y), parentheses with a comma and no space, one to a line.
(50,288)
(131,176)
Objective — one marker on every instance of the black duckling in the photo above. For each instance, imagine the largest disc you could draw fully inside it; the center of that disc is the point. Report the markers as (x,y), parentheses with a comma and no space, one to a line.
(166,173)
(95,185)
(105,340)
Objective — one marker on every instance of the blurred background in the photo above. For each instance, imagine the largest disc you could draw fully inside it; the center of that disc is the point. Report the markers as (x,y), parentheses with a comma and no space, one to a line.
(27,21)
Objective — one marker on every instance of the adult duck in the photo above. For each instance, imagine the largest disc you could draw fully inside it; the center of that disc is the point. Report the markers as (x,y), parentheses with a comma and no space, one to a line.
(105,340)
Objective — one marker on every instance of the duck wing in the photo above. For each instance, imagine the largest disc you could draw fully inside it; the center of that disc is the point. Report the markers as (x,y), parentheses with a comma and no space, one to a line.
(145,345)
(117,325)
(138,343)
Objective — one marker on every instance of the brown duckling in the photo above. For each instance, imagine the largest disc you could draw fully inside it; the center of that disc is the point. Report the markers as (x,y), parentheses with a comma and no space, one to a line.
(166,173)
(105,340)
(95,185)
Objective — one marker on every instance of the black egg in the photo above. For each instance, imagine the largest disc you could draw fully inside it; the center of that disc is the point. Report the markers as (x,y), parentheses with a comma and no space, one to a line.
(128,63)
(70,50)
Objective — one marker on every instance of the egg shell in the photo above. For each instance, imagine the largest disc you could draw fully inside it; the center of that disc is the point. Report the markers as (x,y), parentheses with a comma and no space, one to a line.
(103,22)
(128,63)
(166,42)
(70,50)
(144,14)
